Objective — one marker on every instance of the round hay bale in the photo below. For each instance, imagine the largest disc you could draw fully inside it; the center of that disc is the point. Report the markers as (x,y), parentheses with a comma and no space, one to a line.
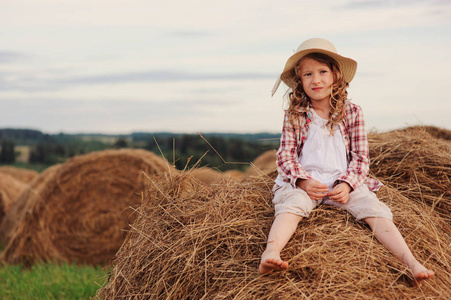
(234,174)
(23,204)
(24,175)
(84,209)
(416,163)
(189,242)
(263,164)
(207,175)
(10,190)
(439,133)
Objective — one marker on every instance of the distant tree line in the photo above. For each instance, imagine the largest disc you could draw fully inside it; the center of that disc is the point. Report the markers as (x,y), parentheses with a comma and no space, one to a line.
(21,136)
(53,152)
(7,154)
(221,151)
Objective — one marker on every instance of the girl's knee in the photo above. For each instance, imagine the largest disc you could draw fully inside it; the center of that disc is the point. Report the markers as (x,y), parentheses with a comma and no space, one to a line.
(374,222)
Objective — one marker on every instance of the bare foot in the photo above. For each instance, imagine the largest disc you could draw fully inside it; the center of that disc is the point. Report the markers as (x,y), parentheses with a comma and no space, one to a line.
(271,262)
(420,273)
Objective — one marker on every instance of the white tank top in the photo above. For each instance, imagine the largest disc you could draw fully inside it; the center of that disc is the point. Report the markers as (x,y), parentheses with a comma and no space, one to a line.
(324,155)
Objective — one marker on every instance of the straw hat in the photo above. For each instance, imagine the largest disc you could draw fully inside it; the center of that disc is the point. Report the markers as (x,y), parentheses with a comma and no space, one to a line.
(347,66)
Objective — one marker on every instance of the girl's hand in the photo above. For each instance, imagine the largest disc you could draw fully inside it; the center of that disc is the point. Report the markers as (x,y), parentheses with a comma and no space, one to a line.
(314,189)
(340,193)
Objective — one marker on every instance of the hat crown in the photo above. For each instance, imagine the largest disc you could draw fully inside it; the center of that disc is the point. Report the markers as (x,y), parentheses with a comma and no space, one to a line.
(317,43)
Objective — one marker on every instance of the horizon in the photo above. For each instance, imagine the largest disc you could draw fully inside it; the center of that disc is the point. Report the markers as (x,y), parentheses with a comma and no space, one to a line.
(193,133)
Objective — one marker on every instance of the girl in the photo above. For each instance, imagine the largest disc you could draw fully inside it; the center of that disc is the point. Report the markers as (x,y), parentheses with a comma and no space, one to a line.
(323,156)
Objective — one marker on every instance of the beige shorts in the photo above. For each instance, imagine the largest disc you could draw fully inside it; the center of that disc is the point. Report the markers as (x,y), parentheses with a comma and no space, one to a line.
(362,203)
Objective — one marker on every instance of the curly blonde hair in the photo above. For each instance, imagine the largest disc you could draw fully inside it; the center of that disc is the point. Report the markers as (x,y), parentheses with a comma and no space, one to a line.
(300,103)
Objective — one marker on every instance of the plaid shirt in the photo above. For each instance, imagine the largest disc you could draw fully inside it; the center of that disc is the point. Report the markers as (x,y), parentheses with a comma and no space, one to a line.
(354,136)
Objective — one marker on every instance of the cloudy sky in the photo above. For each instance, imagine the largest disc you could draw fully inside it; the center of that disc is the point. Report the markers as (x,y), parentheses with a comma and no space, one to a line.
(109,66)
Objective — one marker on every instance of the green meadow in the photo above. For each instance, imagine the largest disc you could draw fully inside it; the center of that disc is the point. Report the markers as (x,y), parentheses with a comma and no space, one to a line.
(50,281)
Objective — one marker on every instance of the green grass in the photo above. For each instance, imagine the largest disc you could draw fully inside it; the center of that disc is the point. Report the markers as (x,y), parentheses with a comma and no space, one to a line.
(50,281)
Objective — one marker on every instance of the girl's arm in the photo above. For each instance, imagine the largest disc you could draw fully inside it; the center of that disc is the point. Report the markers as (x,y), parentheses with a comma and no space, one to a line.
(358,167)
(287,156)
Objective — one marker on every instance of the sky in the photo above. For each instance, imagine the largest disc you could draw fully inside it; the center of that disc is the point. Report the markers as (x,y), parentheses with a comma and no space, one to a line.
(116,67)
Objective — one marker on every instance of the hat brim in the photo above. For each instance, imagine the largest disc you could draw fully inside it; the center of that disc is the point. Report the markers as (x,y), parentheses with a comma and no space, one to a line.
(347,65)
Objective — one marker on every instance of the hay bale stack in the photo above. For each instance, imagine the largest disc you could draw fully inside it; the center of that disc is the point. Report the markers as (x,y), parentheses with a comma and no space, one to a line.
(416,163)
(10,190)
(263,164)
(190,242)
(24,175)
(23,204)
(84,208)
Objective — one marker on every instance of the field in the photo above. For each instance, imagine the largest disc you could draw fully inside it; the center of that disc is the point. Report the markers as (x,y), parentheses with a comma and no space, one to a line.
(127,224)
(23,153)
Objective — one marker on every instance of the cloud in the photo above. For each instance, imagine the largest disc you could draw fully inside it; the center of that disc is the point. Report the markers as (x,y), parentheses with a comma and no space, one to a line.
(382,4)
(38,82)
(112,116)
(12,56)
(162,76)
(190,33)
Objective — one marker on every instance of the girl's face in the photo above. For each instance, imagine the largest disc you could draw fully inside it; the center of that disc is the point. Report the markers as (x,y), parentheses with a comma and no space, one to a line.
(317,79)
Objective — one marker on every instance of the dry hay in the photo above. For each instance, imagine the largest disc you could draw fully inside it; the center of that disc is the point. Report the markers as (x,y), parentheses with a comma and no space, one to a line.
(264,164)
(416,163)
(23,204)
(194,242)
(24,175)
(10,190)
(84,208)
